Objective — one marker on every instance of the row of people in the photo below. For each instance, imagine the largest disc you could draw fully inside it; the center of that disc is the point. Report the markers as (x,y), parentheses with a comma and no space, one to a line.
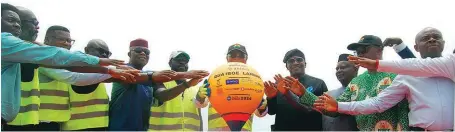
(62,98)
(42,89)
(74,98)
(420,99)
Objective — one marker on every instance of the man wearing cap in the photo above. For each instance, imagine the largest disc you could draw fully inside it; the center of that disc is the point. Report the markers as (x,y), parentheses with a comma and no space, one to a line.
(366,85)
(178,113)
(289,116)
(426,95)
(129,109)
(345,72)
(236,53)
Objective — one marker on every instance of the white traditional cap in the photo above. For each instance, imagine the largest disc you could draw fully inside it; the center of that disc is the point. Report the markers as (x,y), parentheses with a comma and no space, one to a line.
(177,53)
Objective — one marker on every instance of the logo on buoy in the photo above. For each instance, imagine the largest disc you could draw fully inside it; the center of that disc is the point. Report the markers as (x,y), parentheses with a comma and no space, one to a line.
(232,81)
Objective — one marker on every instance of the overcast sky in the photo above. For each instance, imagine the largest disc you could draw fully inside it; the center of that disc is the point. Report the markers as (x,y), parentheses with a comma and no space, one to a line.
(205,28)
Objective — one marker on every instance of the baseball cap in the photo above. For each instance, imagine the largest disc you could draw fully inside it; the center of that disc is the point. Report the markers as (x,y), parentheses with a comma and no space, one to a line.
(366,40)
(293,52)
(237,47)
(344,57)
(175,54)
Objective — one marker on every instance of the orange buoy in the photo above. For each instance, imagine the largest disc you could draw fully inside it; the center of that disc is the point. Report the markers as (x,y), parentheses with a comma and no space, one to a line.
(236,92)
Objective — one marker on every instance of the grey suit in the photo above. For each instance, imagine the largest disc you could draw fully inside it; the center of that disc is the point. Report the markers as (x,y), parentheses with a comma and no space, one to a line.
(342,122)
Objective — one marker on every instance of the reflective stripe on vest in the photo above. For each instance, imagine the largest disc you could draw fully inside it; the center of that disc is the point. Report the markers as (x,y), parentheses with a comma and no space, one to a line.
(30,101)
(88,110)
(54,101)
(177,114)
(216,122)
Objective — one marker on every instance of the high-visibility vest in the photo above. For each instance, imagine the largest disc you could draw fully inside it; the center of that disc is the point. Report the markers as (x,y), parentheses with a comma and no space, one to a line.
(54,101)
(88,110)
(178,114)
(30,103)
(216,122)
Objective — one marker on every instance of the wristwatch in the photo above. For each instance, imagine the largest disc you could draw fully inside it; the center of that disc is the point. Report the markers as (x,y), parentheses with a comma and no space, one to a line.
(150,75)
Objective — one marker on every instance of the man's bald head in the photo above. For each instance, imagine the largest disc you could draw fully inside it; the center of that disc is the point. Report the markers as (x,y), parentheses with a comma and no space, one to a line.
(429,42)
(29,24)
(98,47)
(25,13)
(425,30)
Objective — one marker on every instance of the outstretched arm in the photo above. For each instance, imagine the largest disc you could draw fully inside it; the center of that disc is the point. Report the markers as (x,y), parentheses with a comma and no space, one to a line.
(385,100)
(74,78)
(309,99)
(17,50)
(442,66)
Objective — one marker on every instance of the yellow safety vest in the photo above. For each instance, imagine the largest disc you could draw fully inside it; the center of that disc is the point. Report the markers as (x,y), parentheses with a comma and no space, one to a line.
(217,122)
(88,110)
(54,101)
(30,103)
(178,114)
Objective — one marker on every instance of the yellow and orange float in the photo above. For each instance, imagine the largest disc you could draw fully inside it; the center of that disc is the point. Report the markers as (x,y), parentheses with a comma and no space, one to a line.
(236,92)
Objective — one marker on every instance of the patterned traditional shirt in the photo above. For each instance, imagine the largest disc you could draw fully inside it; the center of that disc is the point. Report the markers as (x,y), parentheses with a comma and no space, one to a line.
(363,87)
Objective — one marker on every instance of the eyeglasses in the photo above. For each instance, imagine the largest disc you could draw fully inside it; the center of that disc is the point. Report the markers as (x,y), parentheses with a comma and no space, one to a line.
(140,50)
(298,59)
(63,40)
(237,55)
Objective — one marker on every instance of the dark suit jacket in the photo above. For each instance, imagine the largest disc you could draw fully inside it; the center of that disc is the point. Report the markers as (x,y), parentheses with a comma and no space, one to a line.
(406,53)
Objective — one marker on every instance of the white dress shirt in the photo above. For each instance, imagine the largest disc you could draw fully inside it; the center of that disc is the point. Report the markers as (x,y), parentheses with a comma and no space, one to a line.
(441,66)
(431,101)
(73,78)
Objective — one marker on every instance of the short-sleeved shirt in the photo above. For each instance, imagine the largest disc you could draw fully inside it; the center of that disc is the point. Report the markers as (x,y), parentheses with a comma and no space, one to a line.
(129,108)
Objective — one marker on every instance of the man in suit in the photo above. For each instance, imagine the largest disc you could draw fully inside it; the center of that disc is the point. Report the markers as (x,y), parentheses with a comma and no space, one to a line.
(345,72)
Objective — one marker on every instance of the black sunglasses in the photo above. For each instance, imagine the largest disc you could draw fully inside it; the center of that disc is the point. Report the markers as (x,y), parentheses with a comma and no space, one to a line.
(298,59)
(104,52)
(140,50)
